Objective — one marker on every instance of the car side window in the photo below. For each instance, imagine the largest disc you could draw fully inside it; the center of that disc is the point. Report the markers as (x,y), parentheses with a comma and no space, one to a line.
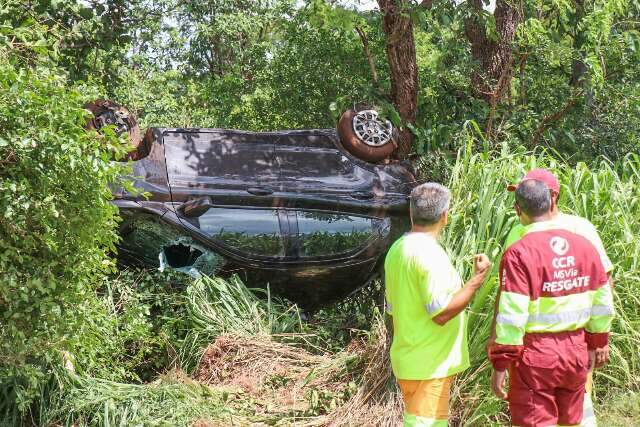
(324,234)
(254,231)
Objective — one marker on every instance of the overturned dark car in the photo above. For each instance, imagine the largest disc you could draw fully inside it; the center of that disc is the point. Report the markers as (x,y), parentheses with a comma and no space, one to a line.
(305,212)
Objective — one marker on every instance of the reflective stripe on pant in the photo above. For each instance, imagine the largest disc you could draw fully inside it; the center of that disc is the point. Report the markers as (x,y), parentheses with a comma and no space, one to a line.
(547,385)
(426,402)
(417,421)
(588,415)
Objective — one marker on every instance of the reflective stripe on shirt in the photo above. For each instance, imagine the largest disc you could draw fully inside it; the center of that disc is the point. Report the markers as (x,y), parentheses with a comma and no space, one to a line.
(554,314)
(575,316)
(513,319)
(438,303)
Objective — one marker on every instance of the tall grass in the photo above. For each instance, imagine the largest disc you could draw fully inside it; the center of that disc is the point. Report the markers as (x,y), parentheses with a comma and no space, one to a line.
(609,195)
(213,307)
(173,400)
(219,306)
(480,218)
(216,306)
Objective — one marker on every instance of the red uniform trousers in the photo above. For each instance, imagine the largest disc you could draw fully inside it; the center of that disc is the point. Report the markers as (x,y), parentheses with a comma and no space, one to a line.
(547,384)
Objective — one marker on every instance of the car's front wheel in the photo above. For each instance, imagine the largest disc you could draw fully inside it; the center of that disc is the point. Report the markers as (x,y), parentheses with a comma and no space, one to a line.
(106,112)
(365,135)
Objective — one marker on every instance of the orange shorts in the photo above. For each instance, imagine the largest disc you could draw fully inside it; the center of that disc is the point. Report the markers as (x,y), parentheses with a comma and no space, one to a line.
(426,400)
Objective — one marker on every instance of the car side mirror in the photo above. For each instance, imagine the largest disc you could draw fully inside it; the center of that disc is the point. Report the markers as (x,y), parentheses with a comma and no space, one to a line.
(196,207)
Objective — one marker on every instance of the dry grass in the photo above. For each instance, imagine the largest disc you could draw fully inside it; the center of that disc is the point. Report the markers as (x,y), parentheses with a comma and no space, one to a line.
(378,401)
(296,387)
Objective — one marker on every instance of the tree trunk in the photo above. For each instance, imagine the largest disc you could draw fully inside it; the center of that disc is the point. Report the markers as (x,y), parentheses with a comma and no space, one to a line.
(493,78)
(401,54)
(578,67)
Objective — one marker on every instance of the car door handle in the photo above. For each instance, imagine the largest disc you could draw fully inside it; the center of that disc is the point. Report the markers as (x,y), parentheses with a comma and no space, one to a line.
(196,207)
(259,191)
(362,195)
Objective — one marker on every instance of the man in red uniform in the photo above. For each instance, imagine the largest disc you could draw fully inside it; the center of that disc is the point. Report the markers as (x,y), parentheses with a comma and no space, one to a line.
(555,305)
(583,227)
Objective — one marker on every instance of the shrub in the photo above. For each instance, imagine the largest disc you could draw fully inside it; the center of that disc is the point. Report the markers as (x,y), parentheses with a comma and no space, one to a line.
(56,223)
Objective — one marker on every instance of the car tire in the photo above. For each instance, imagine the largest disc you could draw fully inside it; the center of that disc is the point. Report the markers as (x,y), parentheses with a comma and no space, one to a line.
(369,146)
(106,112)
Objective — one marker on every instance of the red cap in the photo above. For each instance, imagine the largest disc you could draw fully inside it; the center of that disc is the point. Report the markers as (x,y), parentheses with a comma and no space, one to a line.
(539,175)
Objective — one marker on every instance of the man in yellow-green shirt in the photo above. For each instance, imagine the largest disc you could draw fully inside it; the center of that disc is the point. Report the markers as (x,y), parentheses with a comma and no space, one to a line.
(426,299)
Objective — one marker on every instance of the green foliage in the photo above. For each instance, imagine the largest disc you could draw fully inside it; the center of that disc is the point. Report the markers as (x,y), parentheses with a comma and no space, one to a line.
(133,326)
(56,223)
(283,64)
(88,40)
(333,328)
(172,400)
(622,410)
(280,68)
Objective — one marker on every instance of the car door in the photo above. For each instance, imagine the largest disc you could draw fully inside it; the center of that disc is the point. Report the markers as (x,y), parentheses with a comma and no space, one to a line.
(331,254)
(333,235)
(219,163)
(311,163)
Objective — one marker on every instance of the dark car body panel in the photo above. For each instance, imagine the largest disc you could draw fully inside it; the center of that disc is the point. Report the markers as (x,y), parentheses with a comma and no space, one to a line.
(289,209)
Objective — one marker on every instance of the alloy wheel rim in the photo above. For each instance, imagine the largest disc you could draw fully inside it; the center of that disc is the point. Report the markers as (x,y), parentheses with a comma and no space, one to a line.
(371,129)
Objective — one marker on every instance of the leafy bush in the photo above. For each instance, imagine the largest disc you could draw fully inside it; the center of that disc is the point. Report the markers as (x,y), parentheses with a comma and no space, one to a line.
(56,223)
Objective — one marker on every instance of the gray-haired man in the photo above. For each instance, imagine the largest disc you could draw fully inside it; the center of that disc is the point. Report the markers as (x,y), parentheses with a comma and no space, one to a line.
(426,298)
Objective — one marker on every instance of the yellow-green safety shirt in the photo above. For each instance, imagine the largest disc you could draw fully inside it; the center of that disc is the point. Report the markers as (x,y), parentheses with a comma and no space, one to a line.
(419,284)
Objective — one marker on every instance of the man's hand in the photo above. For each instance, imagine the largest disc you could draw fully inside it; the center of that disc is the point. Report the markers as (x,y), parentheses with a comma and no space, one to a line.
(498,380)
(598,357)
(481,265)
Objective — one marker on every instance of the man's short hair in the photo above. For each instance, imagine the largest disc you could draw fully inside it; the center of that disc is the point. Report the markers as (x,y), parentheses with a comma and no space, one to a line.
(533,197)
(428,202)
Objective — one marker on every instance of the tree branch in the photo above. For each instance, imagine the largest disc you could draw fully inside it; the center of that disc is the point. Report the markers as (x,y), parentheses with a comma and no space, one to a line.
(367,52)
(523,88)
(496,95)
(547,121)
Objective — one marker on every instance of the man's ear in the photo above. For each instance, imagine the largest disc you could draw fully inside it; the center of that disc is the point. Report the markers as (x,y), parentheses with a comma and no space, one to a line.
(445,217)
(524,219)
(554,199)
